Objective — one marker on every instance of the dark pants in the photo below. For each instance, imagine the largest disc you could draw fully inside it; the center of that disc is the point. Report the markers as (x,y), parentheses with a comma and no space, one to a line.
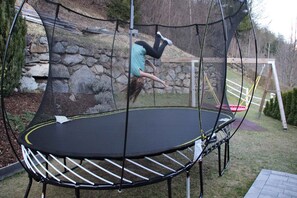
(157,50)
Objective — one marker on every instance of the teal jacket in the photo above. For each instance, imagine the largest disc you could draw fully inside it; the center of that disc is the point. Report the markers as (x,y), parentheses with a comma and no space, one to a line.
(137,59)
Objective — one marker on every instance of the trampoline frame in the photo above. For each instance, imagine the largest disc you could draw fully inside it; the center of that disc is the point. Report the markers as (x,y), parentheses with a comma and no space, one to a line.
(42,173)
(25,138)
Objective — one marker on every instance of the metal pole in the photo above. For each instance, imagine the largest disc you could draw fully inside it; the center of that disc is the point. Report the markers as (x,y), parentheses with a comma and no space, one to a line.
(192,89)
(279,95)
(169,188)
(201,178)
(188,185)
(128,94)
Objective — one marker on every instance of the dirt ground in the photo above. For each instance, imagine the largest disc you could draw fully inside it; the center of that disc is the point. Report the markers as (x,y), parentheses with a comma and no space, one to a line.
(16,104)
(248,125)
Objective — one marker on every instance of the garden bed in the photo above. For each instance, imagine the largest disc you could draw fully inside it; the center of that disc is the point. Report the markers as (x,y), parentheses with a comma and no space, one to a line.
(21,106)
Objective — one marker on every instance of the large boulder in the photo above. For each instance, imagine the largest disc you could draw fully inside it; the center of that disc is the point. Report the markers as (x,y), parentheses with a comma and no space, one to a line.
(60,71)
(72,49)
(98,69)
(39,70)
(71,60)
(85,52)
(59,48)
(99,109)
(28,84)
(91,61)
(82,80)
(38,48)
(102,84)
(60,86)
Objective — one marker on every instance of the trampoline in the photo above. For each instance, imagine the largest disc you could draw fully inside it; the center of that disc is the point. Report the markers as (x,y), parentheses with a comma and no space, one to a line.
(108,142)
(90,147)
(152,131)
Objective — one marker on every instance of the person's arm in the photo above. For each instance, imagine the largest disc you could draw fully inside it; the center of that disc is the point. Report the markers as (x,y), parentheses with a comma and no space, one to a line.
(153,77)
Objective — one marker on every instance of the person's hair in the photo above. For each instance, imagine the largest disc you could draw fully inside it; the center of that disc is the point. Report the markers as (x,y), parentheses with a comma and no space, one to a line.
(136,85)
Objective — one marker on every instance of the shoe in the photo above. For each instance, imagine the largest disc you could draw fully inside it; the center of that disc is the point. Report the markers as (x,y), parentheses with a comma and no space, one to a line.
(162,37)
(169,42)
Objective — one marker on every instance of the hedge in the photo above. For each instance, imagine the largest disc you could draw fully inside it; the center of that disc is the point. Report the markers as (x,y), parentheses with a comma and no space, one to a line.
(15,58)
(290,106)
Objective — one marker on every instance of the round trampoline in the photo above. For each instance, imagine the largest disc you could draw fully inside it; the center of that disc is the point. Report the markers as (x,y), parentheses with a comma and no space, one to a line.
(151,131)
(108,142)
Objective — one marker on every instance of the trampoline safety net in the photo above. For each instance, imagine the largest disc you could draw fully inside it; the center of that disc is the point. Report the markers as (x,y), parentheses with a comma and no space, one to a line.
(85,114)
(89,61)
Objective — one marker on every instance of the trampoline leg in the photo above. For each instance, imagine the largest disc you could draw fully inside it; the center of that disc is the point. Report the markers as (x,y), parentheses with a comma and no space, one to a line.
(226,158)
(77,193)
(188,186)
(227,154)
(201,179)
(169,187)
(28,187)
(219,160)
(43,191)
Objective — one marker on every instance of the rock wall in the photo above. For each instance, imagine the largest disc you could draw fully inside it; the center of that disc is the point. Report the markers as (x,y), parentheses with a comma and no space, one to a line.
(76,69)
(36,66)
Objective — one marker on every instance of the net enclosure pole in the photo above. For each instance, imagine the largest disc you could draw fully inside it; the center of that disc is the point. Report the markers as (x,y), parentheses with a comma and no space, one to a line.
(192,89)
(128,92)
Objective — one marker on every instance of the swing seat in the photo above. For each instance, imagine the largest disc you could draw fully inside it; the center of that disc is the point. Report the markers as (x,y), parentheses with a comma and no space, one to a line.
(237,108)
(233,108)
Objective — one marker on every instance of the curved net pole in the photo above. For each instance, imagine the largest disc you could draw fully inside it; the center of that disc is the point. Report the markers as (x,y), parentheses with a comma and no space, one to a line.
(128,92)
(241,63)
(199,77)
(255,77)
(225,59)
(199,84)
(4,113)
(154,91)
(111,60)
(200,73)
(225,72)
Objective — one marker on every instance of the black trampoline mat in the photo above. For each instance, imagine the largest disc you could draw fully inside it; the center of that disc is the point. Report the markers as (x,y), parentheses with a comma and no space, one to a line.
(150,131)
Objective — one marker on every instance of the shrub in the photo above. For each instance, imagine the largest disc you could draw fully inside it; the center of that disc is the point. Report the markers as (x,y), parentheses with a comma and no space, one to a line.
(266,109)
(288,103)
(276,112)
(16,52)
(290,106)
(284,97)
(120,9)
(270,109)
(293,108)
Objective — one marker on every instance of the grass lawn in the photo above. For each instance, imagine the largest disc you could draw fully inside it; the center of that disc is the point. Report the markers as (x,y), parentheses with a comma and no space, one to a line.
(250,152)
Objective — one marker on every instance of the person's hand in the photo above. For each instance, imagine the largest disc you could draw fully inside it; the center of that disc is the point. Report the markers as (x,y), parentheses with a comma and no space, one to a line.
(165,84)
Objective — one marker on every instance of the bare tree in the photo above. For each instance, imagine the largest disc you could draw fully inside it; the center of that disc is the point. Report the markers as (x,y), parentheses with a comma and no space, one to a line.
(287,61)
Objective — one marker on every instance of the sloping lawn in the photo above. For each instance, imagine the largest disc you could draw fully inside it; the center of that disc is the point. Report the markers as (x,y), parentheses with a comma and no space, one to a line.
(251,151)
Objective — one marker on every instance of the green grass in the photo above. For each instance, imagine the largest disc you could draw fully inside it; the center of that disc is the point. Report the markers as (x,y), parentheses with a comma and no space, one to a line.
(250,152)
(247,83)
(150,100)
(19,122)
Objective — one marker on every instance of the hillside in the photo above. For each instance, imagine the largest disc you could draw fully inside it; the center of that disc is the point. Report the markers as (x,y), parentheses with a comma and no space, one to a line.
(105,28)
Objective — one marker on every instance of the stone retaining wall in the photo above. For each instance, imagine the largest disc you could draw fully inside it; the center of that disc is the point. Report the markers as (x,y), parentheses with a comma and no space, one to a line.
(77,69)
